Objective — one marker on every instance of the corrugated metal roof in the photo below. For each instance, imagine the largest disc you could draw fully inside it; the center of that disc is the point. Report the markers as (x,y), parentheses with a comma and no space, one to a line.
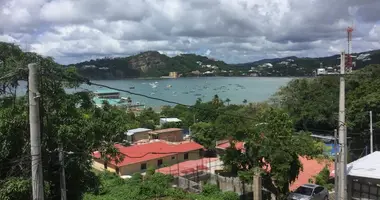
(367,167)
(170,119)
(137,130)
(166,130)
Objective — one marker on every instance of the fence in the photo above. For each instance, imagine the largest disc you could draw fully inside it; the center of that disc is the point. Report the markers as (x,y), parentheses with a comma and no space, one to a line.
(190,175)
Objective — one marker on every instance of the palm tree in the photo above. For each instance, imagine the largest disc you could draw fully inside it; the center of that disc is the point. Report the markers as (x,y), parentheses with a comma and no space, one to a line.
(245,101)
(228,101)
(216,100)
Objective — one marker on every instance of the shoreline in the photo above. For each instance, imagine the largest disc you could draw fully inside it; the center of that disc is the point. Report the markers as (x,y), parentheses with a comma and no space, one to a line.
(159,78)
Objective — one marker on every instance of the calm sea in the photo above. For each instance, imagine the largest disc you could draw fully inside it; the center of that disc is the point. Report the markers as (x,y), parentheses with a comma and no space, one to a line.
(187,90)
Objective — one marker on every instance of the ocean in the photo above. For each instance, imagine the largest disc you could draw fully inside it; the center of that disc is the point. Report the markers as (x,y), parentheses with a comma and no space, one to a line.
(187,90)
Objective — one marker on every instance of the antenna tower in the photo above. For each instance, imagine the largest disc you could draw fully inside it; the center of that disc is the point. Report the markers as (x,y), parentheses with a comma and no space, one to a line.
(350,29)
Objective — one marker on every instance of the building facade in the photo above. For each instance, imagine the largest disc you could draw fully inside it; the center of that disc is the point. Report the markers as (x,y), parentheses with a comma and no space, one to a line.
(137,134)
(168,134)
(138,158)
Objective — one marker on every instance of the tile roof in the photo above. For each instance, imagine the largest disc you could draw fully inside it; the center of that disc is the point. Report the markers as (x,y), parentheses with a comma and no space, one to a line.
(151,151)
(238,145)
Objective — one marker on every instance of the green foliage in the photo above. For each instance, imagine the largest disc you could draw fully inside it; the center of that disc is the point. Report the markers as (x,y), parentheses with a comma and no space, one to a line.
(156,186)
(15,188)
(204,133)
(155,65)
(323,178)
(313,103)
(68,119)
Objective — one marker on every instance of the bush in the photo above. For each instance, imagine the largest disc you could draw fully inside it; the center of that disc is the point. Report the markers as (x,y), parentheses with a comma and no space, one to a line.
(323,177)
(210,189)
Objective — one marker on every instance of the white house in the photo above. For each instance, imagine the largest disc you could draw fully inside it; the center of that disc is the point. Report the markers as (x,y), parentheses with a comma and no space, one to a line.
(363,177)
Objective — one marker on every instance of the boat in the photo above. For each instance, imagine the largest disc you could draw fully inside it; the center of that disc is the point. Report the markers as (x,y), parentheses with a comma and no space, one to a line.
(132,87)
(169,86)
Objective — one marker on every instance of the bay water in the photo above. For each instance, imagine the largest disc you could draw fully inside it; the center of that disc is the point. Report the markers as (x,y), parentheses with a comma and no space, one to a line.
(188,90)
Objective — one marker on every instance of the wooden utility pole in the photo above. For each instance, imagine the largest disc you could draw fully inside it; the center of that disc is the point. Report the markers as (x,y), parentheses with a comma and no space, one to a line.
(257,185)
(342,132)
(62,173)
(35,137)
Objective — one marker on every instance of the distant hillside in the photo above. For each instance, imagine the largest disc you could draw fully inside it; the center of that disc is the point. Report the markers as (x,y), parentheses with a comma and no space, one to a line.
(148,64)
(154,64)
(294,66)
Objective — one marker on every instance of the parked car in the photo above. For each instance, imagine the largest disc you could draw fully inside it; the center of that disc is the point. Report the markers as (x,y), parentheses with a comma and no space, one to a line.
(309,192)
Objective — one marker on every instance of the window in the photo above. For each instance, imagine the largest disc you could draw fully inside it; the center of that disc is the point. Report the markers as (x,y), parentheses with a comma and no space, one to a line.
(159,162)
(186,156)
(304,190)
(318,190)
(173,157)
(143,166)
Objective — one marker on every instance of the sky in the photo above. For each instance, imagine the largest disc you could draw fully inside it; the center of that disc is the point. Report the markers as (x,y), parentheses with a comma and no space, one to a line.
(235,31)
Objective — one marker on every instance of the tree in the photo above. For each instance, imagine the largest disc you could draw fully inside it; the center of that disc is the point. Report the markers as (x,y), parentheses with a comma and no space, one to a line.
(203,133)
(270,141)
(245,101)
(228,101)
(216,101)
(67,119)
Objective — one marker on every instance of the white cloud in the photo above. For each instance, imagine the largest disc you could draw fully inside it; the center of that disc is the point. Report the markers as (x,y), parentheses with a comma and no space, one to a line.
(233,31)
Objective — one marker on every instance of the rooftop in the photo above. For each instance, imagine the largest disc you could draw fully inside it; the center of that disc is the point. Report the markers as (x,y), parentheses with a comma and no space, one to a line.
(137,130)
(170,119)
(366,167)
(106,91)
(151,151)
(167,130)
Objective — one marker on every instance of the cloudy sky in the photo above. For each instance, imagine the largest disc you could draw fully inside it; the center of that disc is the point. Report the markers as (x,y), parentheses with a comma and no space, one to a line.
(231,30)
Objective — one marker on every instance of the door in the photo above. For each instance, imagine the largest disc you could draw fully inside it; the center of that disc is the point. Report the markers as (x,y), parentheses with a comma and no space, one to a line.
(318,193)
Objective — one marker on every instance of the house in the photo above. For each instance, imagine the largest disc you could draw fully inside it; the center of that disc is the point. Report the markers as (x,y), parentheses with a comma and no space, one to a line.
(169,120)
(137,134)
(310,167)
(157,154)
(363,177)
(168,134)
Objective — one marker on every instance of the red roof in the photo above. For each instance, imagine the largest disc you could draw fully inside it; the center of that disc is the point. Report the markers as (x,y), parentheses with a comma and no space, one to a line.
(151,151)
(238,145)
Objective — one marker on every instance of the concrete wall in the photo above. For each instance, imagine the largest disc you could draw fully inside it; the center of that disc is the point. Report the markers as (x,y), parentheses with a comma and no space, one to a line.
(140,136)
(174,136)
(99,165)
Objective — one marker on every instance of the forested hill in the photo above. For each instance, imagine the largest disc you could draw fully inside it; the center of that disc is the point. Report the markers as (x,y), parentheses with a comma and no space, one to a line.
(154,64)
(146,64)
(296,66)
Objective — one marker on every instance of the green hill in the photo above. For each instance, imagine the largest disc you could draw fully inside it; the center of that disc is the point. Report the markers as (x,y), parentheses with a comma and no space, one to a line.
(295,66)
(154,64)
(147,64)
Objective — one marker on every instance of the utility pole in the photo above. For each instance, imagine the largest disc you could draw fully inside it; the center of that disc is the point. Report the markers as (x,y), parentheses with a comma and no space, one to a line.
(342,132)
(336,179)
(371,131)
(35,137)
(62,174)
(257,193)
